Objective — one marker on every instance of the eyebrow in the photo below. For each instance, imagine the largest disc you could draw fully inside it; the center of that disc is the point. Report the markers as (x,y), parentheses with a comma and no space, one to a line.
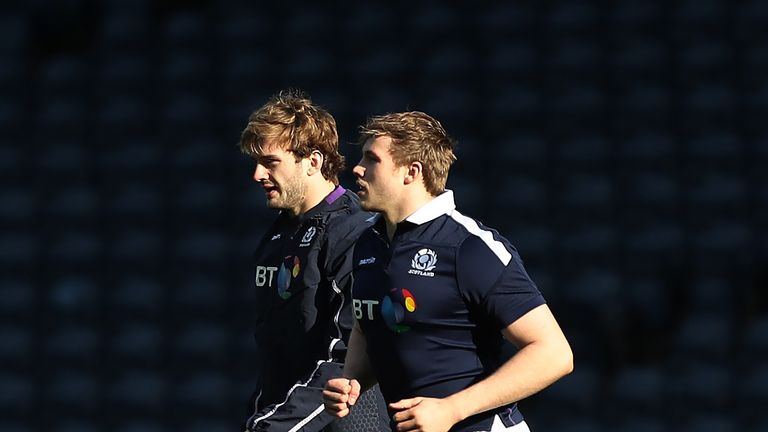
(371,154)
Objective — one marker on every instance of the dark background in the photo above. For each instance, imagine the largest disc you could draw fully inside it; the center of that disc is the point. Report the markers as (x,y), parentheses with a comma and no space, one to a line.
(622,146)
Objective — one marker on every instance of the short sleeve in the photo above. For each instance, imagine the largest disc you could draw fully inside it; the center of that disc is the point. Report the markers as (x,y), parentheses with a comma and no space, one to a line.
(493,283)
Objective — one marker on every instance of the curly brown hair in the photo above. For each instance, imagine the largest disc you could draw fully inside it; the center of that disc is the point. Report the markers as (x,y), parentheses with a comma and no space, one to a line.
(292,120)
(416,137)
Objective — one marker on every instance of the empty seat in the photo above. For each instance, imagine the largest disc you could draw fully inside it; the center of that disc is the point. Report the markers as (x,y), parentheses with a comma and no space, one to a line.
(17,392)
(510,59)
(15,344)
(186,70)
(19,296)
(523,194)
(310,64)
(17,204)
(73,390)
(576,393)
(587,241)
(138,158)
(137,201)
(639,424)
(698,388)
(649,147)
(140,425)
(704,337)
(186,29)
(522,151)
(125,73)
(19,248)
(124,113)
(713,296)
(139,390)
(137,294)
(754,341)
(646,102)
(449,62)
(584,151)
(639,55)
(75,425)
(67,116)
(201,342)
(200,292)
(137,246)
(752,391)
(581,57)
(77,247)
(64,75)
(652,242)
(710,423)
(725,239)
(138,342)
(188,112)
(204,247)
(587,193)
(73,344)
(721,149)
(73,204)
(207,392)
(654,190)
(637,390)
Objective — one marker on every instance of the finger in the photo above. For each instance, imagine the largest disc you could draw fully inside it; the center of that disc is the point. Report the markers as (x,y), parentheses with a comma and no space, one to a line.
(339,385)
(402,416)
(333,396)
(354,391)
(404,404)
(409,425)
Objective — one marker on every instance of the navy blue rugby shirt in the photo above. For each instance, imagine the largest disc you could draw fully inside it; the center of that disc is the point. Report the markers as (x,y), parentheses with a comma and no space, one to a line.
(303,308)
(432,304)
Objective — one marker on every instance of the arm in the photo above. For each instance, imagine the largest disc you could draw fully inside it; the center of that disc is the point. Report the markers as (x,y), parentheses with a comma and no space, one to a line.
(544,356)
(341,393)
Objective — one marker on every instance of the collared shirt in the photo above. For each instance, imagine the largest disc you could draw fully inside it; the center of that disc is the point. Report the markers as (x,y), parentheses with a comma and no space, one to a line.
(433,301)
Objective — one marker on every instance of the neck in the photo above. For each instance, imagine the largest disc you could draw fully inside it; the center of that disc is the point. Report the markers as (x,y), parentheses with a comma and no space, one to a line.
(314,194)
(406,207)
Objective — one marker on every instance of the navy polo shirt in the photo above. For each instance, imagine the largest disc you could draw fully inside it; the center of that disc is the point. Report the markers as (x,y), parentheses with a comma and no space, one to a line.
(433,301)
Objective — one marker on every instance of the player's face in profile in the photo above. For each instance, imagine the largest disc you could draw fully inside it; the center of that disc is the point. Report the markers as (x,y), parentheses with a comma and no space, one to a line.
(377,175)
(281,176)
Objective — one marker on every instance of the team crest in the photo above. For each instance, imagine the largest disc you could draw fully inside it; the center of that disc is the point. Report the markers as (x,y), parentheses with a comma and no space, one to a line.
(423,263)
(308,237)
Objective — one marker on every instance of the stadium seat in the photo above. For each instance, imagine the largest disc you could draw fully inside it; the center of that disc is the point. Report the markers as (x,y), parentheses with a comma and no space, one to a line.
(187,70)
(18,205)
(201,343)
(76,247)
(575,394)
(185,29)
(7,425)
(754,340)
(140,425)
(584,152)
(515,59)
(138,159)
(15,345)
(19,296)
(74,345)
(200,293)
(136,246)
(522,195)
(75,204)
(125,32)
(640,424)
(522,152)
(651,242)
(74,425)
(139,392)
(11,118)
(125,73)
(206,392)
(137,343)
(655,190)
(128,114)
(211,248)
(752,391)
(720,150)
(64,115)
(588,194)
(137,294)
(19,248)
(636,56)
(703,337)
(712,296)
(637,390)
(64,75)
(73,391)
(647,148)
(710,423)
(135,202)
(695,388)
(575,58)
(207,424)
(17,392)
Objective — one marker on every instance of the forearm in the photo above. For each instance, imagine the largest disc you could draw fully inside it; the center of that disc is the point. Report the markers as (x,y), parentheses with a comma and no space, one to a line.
(356,363)
(534,367)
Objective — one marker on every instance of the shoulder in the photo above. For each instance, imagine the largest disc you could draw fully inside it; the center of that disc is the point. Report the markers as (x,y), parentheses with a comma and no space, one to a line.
(478,240)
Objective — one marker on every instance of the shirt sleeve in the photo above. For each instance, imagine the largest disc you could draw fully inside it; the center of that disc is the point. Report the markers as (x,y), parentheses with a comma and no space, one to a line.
(495,284)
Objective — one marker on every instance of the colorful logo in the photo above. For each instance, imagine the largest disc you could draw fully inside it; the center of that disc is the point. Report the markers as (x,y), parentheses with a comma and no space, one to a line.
(288,271)
(394,307)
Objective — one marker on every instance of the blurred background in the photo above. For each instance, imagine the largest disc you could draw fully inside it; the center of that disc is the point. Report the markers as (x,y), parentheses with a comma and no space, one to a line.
(620,145)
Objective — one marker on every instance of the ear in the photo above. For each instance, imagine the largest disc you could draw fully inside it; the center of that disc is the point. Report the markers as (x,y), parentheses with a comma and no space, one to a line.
(316,160)
(413,173)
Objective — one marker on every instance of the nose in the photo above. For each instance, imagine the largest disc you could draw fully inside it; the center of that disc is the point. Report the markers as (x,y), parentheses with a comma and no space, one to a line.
(260,173)
(358,170)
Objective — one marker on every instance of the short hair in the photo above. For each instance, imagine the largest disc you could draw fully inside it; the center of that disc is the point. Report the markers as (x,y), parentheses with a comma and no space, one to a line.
(416,137)
(295,123)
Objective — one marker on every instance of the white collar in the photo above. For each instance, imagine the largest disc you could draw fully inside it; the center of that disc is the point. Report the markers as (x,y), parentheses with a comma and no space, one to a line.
(438,206)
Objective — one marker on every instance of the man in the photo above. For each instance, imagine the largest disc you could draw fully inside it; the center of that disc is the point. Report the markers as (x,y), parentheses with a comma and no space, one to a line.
(434,292)
(303,265)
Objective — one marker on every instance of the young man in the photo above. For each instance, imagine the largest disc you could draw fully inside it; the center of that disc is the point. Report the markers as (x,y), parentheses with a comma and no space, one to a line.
(303,264)
(434,292)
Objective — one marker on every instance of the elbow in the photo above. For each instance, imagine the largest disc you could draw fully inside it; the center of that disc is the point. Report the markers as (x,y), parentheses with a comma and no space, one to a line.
(567,360)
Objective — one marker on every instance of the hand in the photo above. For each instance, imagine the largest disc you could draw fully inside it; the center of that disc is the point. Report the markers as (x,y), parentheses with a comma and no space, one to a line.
(424,415)
(339,395)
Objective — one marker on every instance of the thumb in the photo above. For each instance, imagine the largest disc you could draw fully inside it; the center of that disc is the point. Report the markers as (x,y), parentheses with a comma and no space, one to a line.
(354,393)
(405,404)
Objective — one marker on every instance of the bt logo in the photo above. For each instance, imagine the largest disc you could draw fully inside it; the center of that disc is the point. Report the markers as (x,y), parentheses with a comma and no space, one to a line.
(263,273)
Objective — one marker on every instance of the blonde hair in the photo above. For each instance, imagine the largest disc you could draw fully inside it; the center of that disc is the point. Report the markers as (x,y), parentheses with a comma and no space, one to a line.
(291,120)
(416,137)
